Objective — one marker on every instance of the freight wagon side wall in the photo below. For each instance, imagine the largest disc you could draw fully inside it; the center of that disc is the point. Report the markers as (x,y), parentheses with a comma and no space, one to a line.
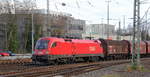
(129,46)
(148,47)
(117,47)
(142,47)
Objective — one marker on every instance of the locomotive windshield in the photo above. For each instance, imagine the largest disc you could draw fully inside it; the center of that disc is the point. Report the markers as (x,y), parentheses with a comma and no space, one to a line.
(42,44)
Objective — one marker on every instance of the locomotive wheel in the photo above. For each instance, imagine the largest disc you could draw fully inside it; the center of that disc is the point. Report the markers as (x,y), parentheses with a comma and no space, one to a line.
(71,60)
(94,59)
(34,62)
(51,62)
(86,59)
(57,62)
(54,63)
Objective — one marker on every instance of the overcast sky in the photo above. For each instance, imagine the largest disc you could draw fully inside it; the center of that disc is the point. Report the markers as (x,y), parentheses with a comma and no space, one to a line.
(94,10)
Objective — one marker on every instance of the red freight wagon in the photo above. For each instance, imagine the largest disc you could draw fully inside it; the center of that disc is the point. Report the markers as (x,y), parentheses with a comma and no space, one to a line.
(148,47)
(117,47)
(142,47)
(114,48)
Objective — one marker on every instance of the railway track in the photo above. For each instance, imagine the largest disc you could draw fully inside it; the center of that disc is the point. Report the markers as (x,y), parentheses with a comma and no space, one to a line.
(85,68)
(16,61)
(66,70)
(14,64)
(62,69)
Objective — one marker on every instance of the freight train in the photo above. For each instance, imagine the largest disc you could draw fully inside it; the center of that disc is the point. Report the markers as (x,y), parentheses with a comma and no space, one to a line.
(52,49)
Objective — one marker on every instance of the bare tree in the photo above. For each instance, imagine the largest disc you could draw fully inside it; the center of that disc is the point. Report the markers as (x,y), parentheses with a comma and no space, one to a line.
(8,6)
(27,5)
(5,6)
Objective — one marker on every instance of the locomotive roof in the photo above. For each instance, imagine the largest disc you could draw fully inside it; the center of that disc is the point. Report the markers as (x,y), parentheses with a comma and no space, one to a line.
(72,40)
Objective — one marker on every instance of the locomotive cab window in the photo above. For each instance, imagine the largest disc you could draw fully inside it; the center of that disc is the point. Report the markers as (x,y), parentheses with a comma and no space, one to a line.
(42,44)
(54,44)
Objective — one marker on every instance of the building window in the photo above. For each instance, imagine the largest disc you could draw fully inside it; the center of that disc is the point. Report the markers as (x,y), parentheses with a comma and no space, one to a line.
(76,27)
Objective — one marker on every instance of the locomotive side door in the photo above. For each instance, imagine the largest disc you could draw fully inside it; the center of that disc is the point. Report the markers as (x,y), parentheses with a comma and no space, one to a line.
(73,48)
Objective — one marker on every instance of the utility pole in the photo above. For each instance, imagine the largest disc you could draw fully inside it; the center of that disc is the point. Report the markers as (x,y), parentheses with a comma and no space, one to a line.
(136,32)
(108,1)
(139,33)
(32,33)
(102,28)
(124,25)
(32,19)
(90,32)
(124,21)
(47,24)
(146,29)
(118,36)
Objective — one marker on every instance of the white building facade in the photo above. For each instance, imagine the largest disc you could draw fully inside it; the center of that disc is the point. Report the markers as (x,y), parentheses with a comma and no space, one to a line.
(100,31)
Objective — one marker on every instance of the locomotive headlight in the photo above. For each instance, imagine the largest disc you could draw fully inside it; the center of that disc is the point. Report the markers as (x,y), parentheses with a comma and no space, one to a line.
(40,52)
(46,52)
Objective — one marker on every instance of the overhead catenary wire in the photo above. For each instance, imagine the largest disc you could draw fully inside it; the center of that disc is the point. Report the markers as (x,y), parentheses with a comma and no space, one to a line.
(90,3)
(145,13)
(77,3)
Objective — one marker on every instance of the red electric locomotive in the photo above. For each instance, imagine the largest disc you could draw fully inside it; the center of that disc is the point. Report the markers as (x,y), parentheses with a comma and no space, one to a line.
(56,49)
(50,49)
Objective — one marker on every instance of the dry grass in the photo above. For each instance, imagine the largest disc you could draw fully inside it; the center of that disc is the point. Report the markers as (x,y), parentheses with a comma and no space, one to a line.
(140,68)
(111,75)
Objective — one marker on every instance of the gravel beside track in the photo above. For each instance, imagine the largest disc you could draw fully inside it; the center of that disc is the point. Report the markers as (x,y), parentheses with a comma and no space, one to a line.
(120,71)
